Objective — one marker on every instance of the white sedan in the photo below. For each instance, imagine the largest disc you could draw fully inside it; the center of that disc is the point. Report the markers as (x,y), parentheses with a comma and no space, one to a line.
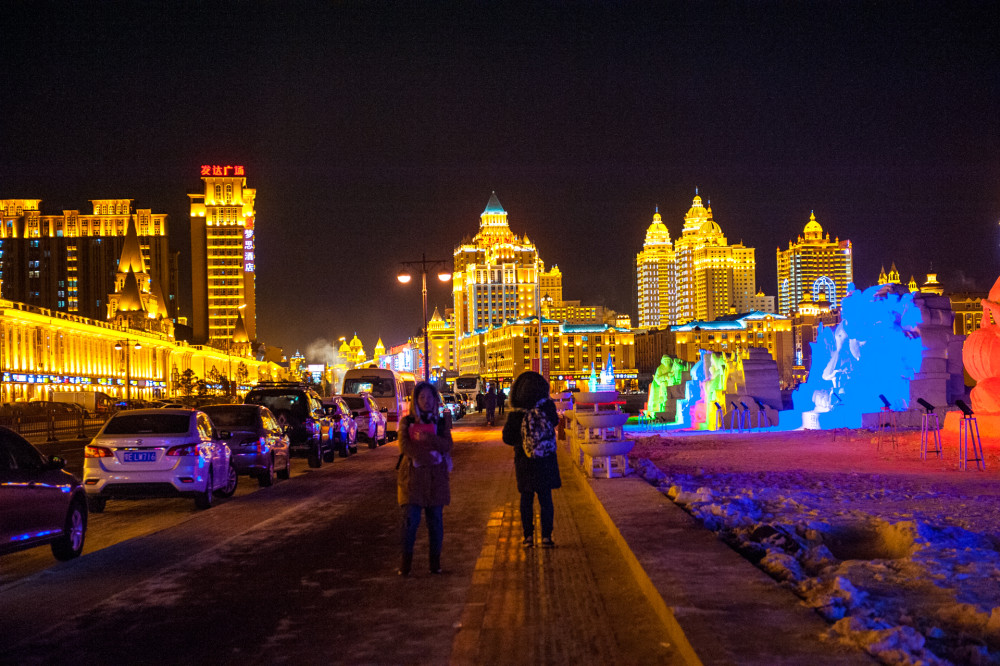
(158,453)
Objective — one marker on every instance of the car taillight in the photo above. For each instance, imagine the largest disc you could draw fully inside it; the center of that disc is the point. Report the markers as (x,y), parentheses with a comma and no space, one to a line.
(184,450)
(96,452)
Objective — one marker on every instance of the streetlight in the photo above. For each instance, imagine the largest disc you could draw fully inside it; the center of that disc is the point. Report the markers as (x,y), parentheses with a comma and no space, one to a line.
(425,264)
(496,357)
(124,344)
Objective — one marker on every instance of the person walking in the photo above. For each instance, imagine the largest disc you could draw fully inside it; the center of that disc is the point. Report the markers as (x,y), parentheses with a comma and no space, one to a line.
(490,402)
(422,483)
(530,429)
(501,399)
(480,401)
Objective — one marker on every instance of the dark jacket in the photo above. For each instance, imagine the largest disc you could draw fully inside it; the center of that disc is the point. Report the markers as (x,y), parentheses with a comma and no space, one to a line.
(532,474)
(428,484)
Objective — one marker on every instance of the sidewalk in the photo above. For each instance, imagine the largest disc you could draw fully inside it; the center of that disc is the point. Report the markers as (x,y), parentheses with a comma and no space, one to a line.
(634,579)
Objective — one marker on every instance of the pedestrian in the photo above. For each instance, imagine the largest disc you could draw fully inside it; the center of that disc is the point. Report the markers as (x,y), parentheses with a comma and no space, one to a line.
(490,402)
(480,401)
(530,429)
(501,399)
(422,473)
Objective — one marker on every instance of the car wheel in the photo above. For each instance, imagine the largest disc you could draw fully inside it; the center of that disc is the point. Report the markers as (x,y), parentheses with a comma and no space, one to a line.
(203,500)
(266,478)
(232,480)
(287,471)
(70,544)
(329,455)
(97,504)
(315,457)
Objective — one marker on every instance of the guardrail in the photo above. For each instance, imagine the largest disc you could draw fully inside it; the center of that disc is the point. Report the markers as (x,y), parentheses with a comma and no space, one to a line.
(52,428)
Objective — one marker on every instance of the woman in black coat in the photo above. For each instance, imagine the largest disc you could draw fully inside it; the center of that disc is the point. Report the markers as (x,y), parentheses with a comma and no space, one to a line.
(538,475)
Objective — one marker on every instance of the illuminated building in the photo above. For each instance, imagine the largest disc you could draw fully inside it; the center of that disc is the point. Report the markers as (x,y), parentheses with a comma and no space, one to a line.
(932,286)
(736,334)
(808,318)
(713,278)
(440,345)
(968,309)
(297,364)
(892,277)
(497,275)
(656,277)
(222,255)
(814,264)
(67,262)
(762,303)
(561,352)
(550,285)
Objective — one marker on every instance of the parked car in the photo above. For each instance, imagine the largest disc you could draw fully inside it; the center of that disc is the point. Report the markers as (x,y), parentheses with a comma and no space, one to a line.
(343,430)
(298,408)
(258,445)
(452,404)
(40,502)
(390,389)
(370,419)
(158,453)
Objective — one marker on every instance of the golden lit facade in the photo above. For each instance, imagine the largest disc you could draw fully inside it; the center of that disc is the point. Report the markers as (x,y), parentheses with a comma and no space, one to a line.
(440,345)
(563,353)
(814,264)
(656,277)
(43,350)
(968,309)
(736,334)
(68,262)
(223,255)
(496,275)
(892,277)
(713,278)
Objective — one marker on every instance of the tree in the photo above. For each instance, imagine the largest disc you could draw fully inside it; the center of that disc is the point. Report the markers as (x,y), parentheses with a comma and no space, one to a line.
(187,382)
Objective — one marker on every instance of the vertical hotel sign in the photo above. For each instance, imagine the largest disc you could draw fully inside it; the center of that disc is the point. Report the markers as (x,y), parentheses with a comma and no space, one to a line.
(248,249)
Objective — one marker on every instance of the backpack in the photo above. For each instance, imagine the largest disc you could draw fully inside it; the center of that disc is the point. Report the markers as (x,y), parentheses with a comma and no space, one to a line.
(538,435)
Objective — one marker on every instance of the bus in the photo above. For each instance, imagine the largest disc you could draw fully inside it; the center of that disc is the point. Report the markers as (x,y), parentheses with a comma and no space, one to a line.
(466,388)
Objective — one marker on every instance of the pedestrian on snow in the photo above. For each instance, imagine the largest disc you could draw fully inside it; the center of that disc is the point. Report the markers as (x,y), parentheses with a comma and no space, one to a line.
(480,401)
(422,473)
(530,429)
(490,402)
(501,399)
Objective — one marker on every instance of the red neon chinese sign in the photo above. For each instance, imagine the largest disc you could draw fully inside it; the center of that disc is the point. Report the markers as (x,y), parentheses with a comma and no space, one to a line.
(219,170)
(248,247)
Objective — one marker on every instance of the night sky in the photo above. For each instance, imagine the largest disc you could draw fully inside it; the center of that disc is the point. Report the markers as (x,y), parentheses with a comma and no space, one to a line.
(375,133)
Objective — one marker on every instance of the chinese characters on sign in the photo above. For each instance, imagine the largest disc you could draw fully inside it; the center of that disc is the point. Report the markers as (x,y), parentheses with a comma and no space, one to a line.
(248,251)
(219,170)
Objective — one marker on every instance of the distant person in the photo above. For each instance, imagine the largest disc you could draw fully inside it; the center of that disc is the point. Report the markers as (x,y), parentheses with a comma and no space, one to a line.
(530,429)
(422,483)
(490,402)
(480,401)
(501,399)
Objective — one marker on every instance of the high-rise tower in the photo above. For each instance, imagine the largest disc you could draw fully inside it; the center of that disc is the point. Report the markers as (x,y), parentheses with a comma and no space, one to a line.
(656,277)
(812,265)
(223,256)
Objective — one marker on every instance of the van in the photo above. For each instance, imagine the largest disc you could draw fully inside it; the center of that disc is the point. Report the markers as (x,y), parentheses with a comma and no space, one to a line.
(386,387)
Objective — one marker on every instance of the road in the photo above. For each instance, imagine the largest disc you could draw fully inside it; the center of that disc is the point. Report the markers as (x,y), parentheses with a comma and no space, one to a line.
(304,572)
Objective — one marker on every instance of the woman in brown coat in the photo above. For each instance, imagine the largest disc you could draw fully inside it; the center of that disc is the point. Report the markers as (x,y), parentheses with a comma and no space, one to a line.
(422,474)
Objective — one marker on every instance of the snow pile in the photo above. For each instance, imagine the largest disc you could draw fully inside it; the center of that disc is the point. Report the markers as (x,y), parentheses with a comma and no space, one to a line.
(905,569)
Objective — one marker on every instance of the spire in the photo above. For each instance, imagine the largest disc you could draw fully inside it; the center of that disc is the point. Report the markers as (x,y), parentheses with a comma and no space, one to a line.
(240,336)
(493,206)
(161,303)
(131,297)
(131,258)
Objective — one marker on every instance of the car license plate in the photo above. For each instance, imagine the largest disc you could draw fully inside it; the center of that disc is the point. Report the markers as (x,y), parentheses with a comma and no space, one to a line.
(139,456)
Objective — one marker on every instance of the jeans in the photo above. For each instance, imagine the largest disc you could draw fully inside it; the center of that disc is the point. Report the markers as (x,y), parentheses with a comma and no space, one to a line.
(435,531)
(545,508)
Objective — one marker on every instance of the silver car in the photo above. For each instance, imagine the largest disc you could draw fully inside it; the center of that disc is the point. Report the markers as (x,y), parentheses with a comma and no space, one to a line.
(158,453)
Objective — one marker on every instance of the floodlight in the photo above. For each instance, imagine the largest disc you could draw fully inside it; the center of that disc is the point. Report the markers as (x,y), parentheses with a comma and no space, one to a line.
(926,405)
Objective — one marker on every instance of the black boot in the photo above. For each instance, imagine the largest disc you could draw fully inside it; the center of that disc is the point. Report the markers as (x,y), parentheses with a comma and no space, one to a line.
(405,564)
(436,563)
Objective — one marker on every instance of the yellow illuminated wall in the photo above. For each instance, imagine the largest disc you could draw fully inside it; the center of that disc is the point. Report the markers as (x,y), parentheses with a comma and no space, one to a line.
(656,277)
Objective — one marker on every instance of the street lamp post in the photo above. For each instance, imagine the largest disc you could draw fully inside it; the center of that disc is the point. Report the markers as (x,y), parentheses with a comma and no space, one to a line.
(425,265)
(119,346)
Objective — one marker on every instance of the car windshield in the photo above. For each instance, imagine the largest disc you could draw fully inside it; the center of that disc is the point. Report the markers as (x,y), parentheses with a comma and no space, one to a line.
(148,424)
(355,402)
(233,417)
(279,401)
(379,387)
(449,398)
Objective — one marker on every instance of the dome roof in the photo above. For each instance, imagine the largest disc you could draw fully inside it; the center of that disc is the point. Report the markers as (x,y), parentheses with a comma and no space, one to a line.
(813,230)
(657,233)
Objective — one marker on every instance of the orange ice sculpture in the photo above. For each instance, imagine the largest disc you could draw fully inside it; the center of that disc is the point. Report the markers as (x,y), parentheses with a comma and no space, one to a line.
(981,356)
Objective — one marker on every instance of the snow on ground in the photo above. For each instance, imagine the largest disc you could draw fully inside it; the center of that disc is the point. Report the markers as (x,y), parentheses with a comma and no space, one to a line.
(901,556)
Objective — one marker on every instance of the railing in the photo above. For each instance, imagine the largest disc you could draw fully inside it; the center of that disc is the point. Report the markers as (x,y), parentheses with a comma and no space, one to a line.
(51,428)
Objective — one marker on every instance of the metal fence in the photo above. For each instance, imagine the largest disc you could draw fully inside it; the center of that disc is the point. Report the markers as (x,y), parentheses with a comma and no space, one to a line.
(54,427)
